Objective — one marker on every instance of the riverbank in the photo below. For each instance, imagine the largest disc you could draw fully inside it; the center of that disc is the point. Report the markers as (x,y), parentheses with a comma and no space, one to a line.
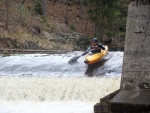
(33,31)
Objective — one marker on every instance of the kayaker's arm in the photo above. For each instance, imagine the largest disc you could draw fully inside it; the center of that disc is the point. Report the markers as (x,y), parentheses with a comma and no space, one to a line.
(87,51)
(101,46)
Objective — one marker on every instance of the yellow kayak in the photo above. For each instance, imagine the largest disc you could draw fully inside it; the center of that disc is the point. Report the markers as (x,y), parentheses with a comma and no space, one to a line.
(96,57)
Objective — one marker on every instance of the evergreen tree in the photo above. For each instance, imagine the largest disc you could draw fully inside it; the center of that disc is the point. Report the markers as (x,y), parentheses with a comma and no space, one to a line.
(38,7)
(109,17)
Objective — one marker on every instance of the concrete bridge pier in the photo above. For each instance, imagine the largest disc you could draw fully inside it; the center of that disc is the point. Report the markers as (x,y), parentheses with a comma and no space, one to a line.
(134,93)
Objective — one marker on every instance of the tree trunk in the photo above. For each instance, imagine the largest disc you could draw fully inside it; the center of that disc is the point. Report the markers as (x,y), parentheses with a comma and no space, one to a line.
(7,15)
(44,7)
(86,23)
(66,16)
(96,16)
(81,9)
(104,29)
(21,13)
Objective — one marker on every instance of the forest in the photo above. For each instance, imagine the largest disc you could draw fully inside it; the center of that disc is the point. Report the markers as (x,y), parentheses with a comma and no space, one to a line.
(62,24)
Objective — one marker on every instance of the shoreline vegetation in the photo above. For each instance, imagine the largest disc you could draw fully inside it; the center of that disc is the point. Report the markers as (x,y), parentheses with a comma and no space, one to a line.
(61,25)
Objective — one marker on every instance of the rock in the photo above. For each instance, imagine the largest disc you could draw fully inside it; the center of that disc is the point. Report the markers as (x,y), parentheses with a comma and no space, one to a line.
(78,41)
(31,45)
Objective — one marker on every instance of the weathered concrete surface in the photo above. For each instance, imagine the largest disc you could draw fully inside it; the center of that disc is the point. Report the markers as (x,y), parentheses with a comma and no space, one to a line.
(135,82)
(131,102)
(136,64)
(134,95)
(103,106)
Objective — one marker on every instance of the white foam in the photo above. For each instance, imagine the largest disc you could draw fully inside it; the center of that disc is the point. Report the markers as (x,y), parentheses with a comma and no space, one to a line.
(46,107)
(56,88)
(57,65)
(53,94)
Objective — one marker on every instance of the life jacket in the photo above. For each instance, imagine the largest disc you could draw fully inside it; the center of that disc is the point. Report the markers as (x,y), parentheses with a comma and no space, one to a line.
(94,46)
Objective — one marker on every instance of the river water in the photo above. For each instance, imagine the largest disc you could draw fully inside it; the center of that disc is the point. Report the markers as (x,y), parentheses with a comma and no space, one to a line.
(44,83)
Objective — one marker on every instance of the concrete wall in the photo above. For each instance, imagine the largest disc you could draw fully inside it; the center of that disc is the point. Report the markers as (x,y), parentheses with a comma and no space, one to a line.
(136,64)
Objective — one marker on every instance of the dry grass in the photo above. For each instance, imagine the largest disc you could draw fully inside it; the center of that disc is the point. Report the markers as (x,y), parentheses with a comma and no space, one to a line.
(54,23)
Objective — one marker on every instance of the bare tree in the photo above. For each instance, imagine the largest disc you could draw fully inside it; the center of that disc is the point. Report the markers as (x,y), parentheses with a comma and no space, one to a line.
(21,12)
(86,24)
(81,9)
(44,7)
(66,16)
(7,15)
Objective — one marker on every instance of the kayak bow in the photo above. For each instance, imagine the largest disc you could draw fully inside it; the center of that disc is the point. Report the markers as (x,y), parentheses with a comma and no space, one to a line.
(96,57)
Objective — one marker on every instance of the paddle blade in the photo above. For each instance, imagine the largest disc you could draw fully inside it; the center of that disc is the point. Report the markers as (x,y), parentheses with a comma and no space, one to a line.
(73,60)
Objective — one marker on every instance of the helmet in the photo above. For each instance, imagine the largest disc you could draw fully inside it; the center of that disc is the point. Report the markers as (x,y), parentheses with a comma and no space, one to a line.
(94,40)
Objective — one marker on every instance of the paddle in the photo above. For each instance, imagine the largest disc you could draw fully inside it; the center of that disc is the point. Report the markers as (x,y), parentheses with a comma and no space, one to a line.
(74,59)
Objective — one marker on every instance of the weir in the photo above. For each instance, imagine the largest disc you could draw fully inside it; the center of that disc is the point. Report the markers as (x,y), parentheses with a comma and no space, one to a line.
(134,93)
(52,89)
(43,83)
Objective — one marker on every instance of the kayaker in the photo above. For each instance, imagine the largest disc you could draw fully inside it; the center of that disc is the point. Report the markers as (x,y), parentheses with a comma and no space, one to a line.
(94,47)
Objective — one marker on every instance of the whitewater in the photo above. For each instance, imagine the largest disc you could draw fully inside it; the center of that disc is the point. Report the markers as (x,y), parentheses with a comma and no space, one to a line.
(47,83)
